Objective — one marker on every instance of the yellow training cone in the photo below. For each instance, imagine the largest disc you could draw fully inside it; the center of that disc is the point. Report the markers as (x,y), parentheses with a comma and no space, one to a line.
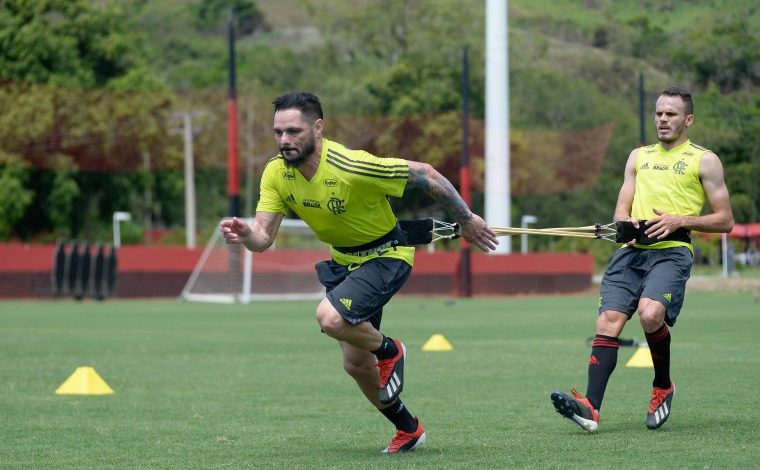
(437,343)
(84,381)
(641,358)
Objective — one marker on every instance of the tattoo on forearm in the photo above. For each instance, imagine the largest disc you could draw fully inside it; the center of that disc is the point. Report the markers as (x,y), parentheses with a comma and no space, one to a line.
(441,189)
(447,196)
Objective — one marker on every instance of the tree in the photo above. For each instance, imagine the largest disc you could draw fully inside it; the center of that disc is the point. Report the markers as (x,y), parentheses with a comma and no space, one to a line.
(69,70)
(14,195)
(211,15)
(69,43)
(726,54)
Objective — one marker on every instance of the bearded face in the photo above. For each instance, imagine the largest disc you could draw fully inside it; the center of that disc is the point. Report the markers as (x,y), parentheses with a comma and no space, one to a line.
(295,156)
(296,136)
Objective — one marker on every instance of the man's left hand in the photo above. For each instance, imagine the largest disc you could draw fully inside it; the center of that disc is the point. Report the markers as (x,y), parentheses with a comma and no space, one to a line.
(663,225)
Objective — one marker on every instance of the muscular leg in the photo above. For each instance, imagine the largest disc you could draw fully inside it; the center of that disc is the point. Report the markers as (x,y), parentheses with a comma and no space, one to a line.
(601,364)
(610,323)
(362,336)
(364,348)
(360,364)
(651,314)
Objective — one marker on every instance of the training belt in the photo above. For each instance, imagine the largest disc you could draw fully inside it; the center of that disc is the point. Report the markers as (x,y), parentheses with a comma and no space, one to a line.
(627,232)
(396,237)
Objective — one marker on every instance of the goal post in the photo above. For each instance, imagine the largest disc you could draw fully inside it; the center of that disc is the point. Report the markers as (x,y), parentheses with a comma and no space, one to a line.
(232,274)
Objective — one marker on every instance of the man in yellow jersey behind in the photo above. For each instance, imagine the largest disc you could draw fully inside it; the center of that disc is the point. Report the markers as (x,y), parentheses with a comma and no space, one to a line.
(664,189)
(342,194)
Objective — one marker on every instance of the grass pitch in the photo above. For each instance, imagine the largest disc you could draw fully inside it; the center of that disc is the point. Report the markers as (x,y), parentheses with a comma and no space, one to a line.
(258,386)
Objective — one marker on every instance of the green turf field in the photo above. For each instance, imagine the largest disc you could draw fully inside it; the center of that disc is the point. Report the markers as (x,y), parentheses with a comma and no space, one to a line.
(258,386)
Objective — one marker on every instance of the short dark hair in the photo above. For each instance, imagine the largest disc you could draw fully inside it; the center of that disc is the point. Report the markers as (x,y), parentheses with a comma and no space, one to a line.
(307,103)
(683,93)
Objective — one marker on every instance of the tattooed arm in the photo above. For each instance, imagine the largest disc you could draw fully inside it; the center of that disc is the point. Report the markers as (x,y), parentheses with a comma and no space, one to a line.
(474,229)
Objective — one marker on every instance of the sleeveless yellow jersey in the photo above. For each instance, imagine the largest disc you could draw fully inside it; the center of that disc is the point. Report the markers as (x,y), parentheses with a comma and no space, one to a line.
(345,203)
(669,181)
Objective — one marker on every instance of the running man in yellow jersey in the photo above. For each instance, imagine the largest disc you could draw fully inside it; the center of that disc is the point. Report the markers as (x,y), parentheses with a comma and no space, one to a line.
(342,194)
(664,188)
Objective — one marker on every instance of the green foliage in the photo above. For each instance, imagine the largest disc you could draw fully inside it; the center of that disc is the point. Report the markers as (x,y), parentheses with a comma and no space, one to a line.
(726,53)
(648,38)
(14,195)
(50,51)
(210,16)
(729,125)
(547,99)
(744,208)
(412,86)
(387,31)
(573,66)
(131,233)
(105,130)
(406,55)
(68,43)
(742,179)
(60,201)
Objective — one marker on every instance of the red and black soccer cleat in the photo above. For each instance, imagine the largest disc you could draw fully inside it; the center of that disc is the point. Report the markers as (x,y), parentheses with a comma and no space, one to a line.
(404,441)
(659,406)
(392,375)
(576,408)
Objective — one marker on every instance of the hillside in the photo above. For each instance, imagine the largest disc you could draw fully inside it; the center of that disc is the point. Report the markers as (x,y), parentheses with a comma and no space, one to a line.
(574,65)
(94,93)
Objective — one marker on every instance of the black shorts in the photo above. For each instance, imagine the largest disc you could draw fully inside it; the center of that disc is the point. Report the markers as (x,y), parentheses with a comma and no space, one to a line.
(634,273)
(360,294)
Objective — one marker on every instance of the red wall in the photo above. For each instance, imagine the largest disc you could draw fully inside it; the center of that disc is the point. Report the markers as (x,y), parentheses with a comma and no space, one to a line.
(161,271)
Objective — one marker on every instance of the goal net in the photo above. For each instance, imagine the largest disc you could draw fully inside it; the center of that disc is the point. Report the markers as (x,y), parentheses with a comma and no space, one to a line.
(231,273)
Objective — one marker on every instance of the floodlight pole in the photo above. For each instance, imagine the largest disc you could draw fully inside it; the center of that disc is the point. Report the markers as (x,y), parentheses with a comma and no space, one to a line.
(642,120)
(497,140)
(233,162)
(465,261)
(724,253)
(189,183)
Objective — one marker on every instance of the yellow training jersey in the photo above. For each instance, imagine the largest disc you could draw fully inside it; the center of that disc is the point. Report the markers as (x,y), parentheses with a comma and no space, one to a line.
(345,203)
(669,181)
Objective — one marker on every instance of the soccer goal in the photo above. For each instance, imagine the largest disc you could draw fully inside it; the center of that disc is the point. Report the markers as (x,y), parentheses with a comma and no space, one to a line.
(232,274)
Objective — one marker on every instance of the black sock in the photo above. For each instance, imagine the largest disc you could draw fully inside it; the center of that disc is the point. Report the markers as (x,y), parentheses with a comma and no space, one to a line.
(659,347)
(400,417)
(602,362)
(387,349)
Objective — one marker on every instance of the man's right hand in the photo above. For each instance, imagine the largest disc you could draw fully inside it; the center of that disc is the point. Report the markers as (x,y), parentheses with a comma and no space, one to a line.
(477,232)
(635,223)
(234,230)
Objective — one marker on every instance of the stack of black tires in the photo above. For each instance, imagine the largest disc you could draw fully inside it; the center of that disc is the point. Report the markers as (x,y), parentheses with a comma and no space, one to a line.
(83,270)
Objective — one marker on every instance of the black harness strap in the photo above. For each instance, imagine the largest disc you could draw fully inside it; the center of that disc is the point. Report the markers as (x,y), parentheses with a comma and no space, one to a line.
(418,232)
(405,233)
(627,232)
(396,237)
